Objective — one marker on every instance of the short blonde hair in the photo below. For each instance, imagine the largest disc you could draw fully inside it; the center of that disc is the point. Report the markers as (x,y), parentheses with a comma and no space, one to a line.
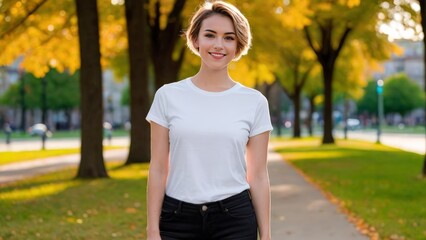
(241,25)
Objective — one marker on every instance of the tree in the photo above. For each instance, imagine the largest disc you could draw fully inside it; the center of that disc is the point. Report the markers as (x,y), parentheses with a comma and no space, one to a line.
(350,76)
(297,78)
(91,162)
(423,23)
(313,90)
(292,61)
(139,95)
(167,52)
(14,13)
(328,27)
(51,28)
(368,102)
(401,95)
(61,92)
(327,53)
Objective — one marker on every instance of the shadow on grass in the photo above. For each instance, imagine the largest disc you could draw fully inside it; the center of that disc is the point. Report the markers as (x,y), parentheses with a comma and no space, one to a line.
(67,177)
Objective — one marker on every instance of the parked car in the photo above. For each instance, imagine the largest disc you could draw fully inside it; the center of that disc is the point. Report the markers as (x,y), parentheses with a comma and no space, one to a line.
(353,123)
(39,129)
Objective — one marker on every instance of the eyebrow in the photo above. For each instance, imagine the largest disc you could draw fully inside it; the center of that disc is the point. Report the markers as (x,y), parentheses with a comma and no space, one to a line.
(212,31)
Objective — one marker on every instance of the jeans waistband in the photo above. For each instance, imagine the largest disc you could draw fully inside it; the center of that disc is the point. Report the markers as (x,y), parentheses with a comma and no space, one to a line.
(221,205)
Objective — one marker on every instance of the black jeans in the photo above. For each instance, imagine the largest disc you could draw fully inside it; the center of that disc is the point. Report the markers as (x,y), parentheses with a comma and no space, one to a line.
(232,218)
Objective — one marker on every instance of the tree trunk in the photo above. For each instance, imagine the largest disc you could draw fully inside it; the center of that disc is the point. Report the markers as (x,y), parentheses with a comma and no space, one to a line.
(327,56)
(92,162)
(296,123)
(139,96)
(328,103)
(279,119)
(309,121)
(163,77)
(22,93)
(68,119)
(345,117)
(44,101)
(423,21)
(164,44)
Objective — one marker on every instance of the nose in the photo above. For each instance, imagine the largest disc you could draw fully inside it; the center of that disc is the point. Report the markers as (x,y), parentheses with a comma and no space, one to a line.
(218,44)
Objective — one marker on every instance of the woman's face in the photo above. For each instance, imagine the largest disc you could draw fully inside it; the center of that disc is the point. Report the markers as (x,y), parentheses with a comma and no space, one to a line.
(217,42)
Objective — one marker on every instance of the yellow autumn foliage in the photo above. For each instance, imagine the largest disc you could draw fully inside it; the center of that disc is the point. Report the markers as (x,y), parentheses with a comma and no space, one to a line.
(296,15)
(249,73)
(350,3)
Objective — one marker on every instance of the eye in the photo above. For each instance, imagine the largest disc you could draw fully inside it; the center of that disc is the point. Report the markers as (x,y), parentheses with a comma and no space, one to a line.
(229,38)
(209,35)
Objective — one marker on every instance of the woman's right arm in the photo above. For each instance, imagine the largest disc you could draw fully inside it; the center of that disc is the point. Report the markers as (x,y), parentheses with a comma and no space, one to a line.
(157,177)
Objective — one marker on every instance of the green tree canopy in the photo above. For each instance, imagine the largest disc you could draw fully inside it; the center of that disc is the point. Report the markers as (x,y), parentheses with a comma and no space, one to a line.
(401,95)
(368,102)
(62,91)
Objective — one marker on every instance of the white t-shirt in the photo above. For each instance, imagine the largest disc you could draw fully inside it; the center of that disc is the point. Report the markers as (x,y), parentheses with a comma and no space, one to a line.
(208,134)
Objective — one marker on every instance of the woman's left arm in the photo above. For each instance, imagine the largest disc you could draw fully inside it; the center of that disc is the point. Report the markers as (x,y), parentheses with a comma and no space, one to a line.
(258,179)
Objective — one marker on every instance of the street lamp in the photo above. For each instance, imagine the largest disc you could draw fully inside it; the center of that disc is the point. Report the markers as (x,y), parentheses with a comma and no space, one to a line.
(379,108)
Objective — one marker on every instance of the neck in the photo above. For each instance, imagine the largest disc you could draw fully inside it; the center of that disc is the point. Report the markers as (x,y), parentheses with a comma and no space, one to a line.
(213,80)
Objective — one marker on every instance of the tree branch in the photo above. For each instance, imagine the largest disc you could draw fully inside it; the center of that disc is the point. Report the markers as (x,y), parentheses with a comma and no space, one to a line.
(306,75)
(174,24)
(67,23)
(278,80)
(343,39)
(21,21)
(309,38)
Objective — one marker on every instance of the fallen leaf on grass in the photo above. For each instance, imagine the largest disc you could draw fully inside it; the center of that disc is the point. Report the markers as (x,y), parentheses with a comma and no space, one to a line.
(131,210)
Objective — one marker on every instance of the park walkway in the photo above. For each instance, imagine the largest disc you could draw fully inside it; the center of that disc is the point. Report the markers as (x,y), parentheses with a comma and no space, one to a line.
(299,210)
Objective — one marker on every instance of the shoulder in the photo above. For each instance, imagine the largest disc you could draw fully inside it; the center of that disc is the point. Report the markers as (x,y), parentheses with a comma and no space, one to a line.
(169,88)
(252,93)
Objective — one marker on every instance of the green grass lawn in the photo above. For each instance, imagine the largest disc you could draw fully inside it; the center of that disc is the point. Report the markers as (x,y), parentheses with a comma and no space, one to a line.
(56,206)
(11,157)
(378,184)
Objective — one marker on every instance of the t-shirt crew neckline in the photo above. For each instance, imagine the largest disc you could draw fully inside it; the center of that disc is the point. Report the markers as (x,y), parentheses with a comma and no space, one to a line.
(209,93)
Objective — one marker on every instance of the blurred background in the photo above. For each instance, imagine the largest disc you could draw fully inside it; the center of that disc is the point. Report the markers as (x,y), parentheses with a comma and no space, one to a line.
(325,66)
(318,62)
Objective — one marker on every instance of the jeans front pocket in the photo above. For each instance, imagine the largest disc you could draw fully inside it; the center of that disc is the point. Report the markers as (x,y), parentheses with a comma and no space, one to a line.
(243,210)
(168,212)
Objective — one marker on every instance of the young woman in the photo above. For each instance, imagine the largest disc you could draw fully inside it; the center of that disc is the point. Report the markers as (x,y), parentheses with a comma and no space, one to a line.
(208,176)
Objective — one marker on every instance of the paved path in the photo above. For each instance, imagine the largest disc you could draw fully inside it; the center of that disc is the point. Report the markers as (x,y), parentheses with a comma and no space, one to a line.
(35,144)
(300,211)
(20,170)
(408,142)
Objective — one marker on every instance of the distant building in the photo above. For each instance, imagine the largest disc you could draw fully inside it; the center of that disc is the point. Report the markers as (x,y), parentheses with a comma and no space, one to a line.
(410,62)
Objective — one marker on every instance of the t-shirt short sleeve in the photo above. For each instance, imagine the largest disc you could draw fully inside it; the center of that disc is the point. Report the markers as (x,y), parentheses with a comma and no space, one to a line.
(262,119)
(157,112)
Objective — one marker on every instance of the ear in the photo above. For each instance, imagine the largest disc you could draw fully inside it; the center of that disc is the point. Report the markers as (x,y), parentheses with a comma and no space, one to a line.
(195,44)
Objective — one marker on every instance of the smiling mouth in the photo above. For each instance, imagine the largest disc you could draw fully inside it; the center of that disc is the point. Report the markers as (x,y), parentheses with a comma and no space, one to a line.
(217,54)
